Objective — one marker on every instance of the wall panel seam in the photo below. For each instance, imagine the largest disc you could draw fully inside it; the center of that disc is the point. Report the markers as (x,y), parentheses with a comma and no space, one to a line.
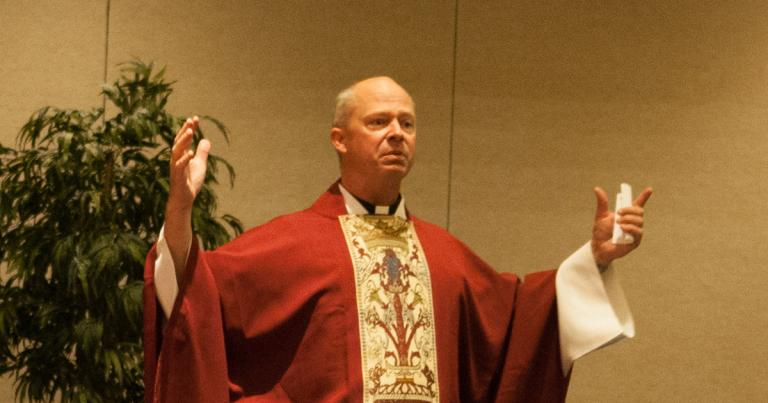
(453,122)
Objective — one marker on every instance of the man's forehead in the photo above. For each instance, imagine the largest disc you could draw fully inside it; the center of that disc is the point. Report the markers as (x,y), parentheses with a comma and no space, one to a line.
(382,91)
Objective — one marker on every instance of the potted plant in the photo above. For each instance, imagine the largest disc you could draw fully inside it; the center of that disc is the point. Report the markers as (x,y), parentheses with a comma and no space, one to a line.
(82,199)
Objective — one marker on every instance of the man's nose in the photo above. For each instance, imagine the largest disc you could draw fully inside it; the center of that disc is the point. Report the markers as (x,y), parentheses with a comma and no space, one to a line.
(395,131)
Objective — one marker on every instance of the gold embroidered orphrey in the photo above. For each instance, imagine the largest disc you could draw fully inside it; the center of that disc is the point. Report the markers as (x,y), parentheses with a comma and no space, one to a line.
(394,303)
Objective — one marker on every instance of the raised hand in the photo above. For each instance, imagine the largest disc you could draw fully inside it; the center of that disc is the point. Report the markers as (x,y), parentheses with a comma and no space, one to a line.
(187,167)
(630,221)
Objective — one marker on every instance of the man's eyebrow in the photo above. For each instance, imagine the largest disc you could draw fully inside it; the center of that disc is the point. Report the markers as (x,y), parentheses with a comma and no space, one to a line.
(378,114)
(398,115)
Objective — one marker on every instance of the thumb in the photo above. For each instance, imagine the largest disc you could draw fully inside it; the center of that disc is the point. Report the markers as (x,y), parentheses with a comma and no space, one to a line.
(643,198)
(602,202)
(203,148)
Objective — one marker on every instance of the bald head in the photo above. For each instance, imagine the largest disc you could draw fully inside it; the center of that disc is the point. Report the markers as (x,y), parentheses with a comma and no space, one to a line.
(348,98)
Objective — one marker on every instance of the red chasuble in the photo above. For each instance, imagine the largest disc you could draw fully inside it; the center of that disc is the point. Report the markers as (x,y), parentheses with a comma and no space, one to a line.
(273,316)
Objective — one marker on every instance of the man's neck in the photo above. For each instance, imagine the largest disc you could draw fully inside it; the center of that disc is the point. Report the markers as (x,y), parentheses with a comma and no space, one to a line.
(380,192)
(356,206)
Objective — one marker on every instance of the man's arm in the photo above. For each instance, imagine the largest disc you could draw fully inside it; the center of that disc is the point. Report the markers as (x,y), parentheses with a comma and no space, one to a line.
(592,309)
(187,175)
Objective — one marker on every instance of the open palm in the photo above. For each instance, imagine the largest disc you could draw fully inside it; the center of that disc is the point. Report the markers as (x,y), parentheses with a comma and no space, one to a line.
(187,167)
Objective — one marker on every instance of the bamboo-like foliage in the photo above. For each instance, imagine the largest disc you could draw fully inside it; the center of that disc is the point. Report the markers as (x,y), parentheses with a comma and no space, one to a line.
(82,199)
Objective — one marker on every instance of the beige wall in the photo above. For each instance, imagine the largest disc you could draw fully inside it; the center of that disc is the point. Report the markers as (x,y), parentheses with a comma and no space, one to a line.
(551,99)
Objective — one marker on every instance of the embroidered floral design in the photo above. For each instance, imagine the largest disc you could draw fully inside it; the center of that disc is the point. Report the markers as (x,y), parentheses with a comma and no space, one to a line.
(394,299)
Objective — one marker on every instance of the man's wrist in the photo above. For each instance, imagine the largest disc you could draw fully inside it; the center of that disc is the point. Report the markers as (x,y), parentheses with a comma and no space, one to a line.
(175,210)
(178,224)
(601,263)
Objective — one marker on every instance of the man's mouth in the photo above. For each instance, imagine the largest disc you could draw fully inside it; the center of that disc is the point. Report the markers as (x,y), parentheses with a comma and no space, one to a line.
(395,157)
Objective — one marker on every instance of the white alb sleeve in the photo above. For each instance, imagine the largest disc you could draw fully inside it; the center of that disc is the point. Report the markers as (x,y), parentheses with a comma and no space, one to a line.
(591,307)
(165,274)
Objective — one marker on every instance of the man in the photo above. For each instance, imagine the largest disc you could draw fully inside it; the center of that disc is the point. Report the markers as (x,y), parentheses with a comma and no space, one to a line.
(355,299)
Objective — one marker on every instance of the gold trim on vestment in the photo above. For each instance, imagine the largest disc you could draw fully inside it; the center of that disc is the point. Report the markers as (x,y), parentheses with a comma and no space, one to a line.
(395,309)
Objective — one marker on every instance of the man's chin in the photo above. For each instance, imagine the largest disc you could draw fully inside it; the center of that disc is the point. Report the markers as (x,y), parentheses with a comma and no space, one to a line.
(396,169)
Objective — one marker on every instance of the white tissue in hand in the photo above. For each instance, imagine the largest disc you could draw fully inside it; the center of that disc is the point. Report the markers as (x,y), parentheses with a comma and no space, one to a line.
(623,199)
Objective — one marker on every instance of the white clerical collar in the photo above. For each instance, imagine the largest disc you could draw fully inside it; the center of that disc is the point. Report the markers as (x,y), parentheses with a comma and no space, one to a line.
(354,207)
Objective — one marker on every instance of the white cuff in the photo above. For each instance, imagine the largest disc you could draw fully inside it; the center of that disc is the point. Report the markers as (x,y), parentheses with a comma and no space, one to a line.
(166,285)
(591,307)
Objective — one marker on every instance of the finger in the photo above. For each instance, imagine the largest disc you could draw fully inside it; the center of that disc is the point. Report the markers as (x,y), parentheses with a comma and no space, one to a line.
(643,197)
(182,130)
(633,230)
(182,144)
(602,202)
(181,163)
(630,219)
(633,210)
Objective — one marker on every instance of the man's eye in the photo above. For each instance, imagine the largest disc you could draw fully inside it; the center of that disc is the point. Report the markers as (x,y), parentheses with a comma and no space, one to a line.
(379,122)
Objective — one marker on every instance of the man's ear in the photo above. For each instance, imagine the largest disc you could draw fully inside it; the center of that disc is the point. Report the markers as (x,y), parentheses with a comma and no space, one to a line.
(339,140)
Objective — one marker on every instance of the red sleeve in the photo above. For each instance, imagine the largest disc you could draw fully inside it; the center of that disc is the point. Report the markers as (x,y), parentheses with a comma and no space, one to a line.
(191,365)
(505,346)
(532,367)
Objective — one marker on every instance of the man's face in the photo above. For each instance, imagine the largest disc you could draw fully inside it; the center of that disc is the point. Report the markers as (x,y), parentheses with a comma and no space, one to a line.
(380,135)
